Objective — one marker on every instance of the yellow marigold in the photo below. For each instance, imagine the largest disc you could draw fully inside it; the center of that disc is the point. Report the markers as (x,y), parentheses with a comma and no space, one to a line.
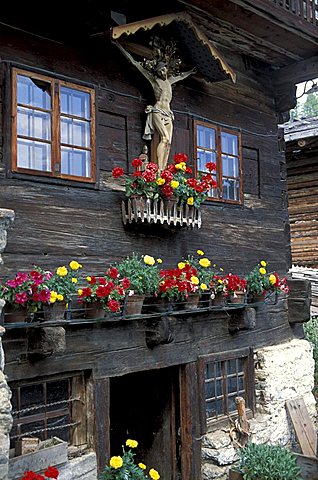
(159,260)
(88,279)
(62,271)
(154,474)
(174,184)
(221,269)
(181,166)
(203,286)
(75,265)
(80,291)
(116,462)
(262,271)
(199,252)
(272,279)
(195,280)
(131,443)
(142,466)
(160,181)
(149,260)
(53,296)
(263,263)
(190,201)
(204,262)
(74,280)
(181,265)
(60,297)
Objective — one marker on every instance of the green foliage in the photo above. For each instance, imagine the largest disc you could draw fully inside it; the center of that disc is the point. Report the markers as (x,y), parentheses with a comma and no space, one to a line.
(257,282)
(311,333)
(142,272)
(268,462)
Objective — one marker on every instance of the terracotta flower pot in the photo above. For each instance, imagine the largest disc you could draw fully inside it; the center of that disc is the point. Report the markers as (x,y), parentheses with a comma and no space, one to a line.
(94,310)
(237,297)
(14,313)
(192,302)
(134,304)
(54,311)
(217,300)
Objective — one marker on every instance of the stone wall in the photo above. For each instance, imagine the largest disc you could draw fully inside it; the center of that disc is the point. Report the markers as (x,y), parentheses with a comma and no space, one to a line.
(282,372)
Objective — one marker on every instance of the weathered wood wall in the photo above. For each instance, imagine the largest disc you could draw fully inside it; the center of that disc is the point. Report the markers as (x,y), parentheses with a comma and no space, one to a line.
(58,221)
(302,174)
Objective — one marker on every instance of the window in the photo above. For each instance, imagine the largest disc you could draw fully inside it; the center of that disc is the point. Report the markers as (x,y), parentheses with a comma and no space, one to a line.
(53,130)
(48,408)
(223,147)
(225,377)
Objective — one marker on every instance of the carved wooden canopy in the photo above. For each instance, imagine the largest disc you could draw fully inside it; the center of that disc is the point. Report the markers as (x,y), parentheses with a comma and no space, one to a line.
(194,43)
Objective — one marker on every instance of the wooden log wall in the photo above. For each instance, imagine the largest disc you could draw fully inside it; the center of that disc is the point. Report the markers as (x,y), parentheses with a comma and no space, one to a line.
(58,221)
(302,171)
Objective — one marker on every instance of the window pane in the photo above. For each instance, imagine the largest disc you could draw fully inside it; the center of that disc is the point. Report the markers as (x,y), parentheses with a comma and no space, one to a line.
(31,396)
(210,409)
(209,370)
(56,427)
(33,123)
(241,382)
(75,132)
(203,157)
(232,384)
(34,155)
(36,93)
(231,189)
(230,166)
(57,391)
(210,389)
(231,366)
(229,143)
(74,102)
(75,162)
(34,429)
(231,405)
(219,406)
(205,137)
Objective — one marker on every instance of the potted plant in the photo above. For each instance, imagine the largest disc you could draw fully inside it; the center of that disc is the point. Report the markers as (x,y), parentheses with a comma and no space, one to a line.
(234,288)
(103,294)
(205,273)
(265,462)
(143,274)
(257,282)
(124,467)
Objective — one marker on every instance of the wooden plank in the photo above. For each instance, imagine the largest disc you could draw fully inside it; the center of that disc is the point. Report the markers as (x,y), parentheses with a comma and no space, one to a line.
(102,423)
(302,423)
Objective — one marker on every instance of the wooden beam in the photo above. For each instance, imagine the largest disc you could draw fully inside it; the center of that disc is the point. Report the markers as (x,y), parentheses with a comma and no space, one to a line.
(298,72)
(303,425)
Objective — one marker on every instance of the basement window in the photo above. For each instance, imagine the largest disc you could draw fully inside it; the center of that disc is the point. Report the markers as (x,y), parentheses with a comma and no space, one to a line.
(223,378)
(52,407)
(53,128)
(223,147)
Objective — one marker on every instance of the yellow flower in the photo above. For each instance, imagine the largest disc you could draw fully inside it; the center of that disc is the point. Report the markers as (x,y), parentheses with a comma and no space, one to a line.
(60,297)
(195,280)
(52,299)
(154,474)
(190,201)
(159,260)
(131,443)
(116,462)
(221,269)
(174,184)
(272,279)
(203,286)
(149,260)
(262,271)
(204,262)
(74,280)
(160,181)
(80,291)
(181,166)
(62,271)
(88,279)
(75,265)
(181,265)
(199,252)
(53,296)
(142,466)
(263,263)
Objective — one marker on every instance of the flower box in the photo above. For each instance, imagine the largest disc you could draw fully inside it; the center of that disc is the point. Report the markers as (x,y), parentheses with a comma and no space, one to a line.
(51,452)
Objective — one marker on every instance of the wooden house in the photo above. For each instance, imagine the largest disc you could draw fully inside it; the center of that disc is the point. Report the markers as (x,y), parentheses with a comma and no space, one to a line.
(63,78)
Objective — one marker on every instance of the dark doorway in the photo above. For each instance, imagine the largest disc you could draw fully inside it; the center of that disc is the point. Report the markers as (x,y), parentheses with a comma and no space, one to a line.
(144,406)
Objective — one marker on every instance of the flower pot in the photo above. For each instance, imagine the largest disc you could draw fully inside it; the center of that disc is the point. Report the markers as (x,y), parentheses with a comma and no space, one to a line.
(94,310)
(237,297)
(192,302)
(256,298)
(217,300)
(163,305)
(54,311)
(205,299)
(134,304)
(14,313)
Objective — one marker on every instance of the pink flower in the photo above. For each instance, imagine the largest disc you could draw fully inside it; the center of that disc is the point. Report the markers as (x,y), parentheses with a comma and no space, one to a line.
(21,298)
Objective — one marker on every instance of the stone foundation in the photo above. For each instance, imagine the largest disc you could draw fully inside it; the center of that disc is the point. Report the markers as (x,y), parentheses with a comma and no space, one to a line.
(282,372)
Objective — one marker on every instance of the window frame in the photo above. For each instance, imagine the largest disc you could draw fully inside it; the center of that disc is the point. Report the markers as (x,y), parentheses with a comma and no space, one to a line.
(218,150)
(77,410)
(55,141)
(208,423)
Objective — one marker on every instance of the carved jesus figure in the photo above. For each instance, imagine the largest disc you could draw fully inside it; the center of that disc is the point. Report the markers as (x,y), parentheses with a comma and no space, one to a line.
(159,116)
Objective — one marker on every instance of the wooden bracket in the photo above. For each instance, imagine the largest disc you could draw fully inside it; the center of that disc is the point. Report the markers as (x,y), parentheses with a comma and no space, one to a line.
(159,331)
(244,319)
